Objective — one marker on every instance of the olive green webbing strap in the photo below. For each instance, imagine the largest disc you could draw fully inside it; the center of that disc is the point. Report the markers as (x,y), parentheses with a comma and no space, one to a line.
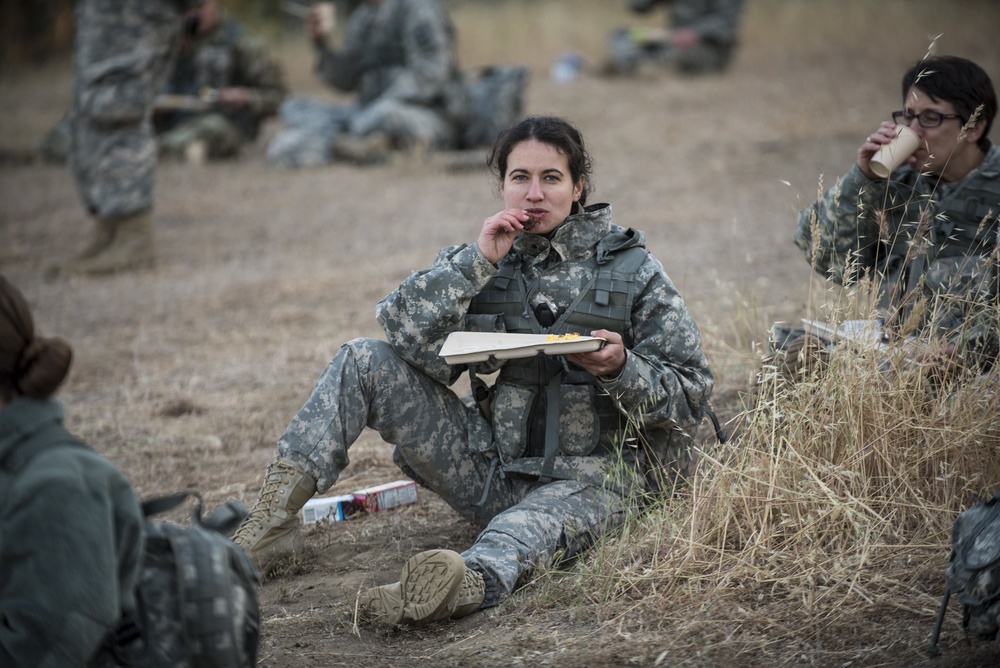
(483,396)
(551,427)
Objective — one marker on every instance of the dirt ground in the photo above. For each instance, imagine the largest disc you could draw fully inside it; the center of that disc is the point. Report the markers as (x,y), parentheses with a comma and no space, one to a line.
(186,374)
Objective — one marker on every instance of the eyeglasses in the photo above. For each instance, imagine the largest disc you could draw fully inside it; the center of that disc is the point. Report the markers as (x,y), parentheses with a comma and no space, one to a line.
(926,118)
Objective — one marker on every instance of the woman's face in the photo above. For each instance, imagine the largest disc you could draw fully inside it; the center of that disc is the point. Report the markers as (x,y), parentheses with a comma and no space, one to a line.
(939,146)
(538,180)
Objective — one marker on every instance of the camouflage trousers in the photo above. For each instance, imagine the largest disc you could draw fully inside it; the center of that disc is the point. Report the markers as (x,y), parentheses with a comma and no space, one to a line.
(310,127)
(123,54)
(525,524)
(221,136)
(628,53)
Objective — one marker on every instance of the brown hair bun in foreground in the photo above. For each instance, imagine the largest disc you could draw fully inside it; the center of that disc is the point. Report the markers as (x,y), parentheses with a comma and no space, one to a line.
(29,365)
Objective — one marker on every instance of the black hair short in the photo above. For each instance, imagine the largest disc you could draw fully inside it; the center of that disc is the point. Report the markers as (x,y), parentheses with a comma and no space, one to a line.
(959,81)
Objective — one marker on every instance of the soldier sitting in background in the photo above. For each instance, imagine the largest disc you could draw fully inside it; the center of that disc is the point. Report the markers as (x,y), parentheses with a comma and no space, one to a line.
(223,86)
(925,233)
(701,38)
(234,76)
(398,56)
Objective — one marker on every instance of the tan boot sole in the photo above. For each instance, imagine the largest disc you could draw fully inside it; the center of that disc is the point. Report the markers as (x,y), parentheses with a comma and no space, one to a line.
(430,582)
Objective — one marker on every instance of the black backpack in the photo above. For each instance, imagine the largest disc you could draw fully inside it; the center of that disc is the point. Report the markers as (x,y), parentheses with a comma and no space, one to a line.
(496,102)
(973,573)
(198,592)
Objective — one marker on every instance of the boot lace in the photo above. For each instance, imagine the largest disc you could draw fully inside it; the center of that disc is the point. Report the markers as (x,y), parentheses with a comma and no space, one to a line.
(276,478)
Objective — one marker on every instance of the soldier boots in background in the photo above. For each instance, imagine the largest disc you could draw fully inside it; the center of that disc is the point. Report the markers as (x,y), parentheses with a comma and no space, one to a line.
(273,532)
(370,149)
(101,238)
(117,244)
(434,585)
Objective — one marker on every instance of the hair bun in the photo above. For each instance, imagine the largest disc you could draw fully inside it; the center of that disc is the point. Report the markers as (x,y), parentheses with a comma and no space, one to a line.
(43,366)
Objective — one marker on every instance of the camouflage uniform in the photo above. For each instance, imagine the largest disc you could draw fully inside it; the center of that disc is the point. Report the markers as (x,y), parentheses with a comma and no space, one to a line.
(224,58)
(715,21)
(123,52)
(543,484)
(921,237)
(399,58)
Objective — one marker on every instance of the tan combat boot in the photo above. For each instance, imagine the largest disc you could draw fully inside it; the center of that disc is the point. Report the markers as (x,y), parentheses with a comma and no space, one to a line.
(370,149)
(273,533)
(434,585)
(130,247)
(104,233)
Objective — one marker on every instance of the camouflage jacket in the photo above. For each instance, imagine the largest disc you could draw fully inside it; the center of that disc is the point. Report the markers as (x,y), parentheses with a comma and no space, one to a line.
(714,20)
(400,50)
(920,237)
(227,57)
(663,387)
(71,541)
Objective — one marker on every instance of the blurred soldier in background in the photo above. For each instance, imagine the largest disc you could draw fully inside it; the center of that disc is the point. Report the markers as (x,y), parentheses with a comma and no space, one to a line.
(123,53)
(398,55)
(701,38)
(225,83)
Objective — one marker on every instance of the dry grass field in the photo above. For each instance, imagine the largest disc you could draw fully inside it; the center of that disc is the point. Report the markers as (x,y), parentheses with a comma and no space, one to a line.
(186,374)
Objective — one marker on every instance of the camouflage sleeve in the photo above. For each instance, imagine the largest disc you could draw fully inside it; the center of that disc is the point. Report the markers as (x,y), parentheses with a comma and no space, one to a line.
(837,233)
(342,68)
(257,70)
(666,379)
(718,21)
(430,304)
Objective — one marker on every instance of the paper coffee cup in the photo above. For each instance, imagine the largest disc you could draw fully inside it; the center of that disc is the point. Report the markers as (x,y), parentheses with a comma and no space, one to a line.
(890,156)
(327,17)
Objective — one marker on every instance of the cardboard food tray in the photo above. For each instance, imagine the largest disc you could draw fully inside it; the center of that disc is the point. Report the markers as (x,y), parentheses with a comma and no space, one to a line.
(465,347)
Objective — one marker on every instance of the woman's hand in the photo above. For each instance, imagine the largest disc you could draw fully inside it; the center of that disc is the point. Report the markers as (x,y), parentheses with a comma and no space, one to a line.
(885,134)
(684,38)
(318,24)
(607,362)
(234,97)
(497,235)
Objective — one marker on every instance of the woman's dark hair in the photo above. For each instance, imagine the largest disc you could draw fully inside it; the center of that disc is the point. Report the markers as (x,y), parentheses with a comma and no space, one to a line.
(29,364)
(550,130)
(958,81)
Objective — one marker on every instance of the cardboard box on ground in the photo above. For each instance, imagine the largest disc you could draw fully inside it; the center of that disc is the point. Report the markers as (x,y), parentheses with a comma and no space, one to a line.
(369,499)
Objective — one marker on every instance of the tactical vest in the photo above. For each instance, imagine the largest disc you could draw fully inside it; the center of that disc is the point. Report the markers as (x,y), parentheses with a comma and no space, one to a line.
(543,407)
(209,64)
(962,229)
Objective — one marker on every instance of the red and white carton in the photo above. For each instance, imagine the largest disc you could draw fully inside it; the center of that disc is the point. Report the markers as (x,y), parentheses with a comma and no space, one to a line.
(389,495)
(333,508)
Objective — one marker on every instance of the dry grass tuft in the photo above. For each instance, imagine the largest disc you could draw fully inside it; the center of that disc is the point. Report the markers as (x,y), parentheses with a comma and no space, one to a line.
(833,506)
